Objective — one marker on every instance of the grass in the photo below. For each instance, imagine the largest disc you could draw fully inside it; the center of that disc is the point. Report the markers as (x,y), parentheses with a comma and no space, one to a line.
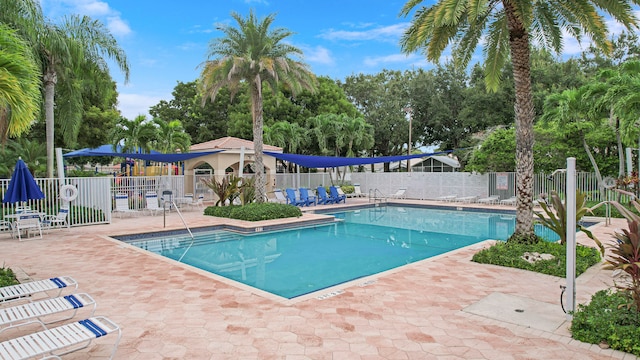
(510,255)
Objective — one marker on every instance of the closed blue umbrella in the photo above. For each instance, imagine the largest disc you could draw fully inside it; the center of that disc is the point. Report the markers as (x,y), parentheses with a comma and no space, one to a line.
(22,186)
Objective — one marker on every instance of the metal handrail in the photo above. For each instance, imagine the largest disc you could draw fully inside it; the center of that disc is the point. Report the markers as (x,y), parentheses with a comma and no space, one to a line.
(175,206)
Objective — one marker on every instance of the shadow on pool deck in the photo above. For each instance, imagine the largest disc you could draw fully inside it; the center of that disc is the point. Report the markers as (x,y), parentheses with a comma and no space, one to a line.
(171,310)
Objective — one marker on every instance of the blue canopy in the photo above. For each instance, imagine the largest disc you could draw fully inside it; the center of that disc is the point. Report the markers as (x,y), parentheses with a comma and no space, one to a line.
(22,186)
(312,161)
(107,150)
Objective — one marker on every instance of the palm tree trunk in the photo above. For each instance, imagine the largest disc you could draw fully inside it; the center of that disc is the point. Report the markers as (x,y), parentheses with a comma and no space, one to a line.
(256,110)
(50,79)
(524,113)
(595,168)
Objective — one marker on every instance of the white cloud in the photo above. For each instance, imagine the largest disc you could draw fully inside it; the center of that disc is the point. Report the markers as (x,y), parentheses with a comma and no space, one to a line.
(93,8)
(383,33)
(132,105)
(117,26)
(318,55)
(390,59)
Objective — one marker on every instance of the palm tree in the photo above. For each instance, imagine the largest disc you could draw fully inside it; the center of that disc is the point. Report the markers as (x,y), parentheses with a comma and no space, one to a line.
(69,53)
(171,136)
(507,27)
(286,135)
(134,136)
(19,85)
(253,53)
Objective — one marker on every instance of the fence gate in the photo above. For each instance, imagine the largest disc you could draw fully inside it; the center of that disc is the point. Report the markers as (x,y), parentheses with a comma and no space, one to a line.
(199,188)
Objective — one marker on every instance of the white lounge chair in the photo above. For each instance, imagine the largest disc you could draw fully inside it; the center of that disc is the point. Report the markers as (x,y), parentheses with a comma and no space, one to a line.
(59,220)
(493,199)
(466,199)
(35,311)
(510,201)
(20,291)
(122,204)
(151,201)
(61,340)
(447,198)
(279,196)
(399,194)
(357,192)
(199,203)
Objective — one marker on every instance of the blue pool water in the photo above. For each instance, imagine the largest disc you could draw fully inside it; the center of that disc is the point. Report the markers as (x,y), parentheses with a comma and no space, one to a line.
(292,263)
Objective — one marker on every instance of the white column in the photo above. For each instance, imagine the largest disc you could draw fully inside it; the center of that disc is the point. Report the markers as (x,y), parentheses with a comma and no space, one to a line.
(570,205)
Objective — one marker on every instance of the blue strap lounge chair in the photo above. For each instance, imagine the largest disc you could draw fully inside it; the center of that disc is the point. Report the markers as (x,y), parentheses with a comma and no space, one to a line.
(55,342)
(323,198)
(335,195)
(291,198)
(26,289)
(308,199)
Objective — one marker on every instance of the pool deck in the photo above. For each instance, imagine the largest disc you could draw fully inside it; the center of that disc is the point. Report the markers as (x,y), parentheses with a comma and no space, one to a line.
(446,307)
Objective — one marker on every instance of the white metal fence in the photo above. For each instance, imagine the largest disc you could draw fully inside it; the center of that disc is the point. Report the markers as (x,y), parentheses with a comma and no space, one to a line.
(96,195)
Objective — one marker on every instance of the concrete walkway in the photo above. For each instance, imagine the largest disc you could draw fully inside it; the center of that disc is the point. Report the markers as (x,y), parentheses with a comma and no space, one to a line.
(434,309)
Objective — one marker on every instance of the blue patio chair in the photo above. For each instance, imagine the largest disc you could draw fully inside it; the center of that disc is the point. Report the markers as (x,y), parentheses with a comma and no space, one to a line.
(308,199)
(335,195)
(291,198)
(323,198)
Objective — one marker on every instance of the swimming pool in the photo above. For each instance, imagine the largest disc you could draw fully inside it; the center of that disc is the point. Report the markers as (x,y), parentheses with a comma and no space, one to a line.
(364,242)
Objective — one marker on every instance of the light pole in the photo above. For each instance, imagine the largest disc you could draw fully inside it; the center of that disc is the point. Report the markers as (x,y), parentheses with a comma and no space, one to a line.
(409,111)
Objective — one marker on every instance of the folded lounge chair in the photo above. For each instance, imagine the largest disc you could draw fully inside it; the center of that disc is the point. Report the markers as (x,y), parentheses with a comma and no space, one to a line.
(152,205)
(60,340)
(399,194)
(19,291)
(35,311)
(493,199)
(447,198)
(510,201)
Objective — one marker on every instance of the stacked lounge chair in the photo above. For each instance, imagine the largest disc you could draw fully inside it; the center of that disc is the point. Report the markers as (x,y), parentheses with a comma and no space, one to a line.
(50,343)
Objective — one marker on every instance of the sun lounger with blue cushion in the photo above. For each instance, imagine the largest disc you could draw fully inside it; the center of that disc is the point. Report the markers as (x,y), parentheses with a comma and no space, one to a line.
(61,340)
(20,291)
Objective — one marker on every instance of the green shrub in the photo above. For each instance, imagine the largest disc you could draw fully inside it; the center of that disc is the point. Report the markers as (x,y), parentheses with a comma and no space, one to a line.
(255,211)
(7,277)
(348,189)
(510,255)
(607,319)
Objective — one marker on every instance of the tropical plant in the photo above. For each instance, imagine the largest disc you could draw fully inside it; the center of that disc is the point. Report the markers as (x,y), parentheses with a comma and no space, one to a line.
(134,136)
(247,190)
(625,254)
(254,53)
(507,27)
(226,189)
(556,219)
(170,136)
(19,85)
(69,53)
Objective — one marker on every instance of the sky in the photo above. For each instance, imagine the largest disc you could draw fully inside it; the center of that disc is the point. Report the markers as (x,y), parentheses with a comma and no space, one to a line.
(166,41)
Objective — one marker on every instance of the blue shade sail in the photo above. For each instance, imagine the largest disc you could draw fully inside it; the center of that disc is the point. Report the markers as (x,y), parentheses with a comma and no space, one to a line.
(312,161)
(108,150)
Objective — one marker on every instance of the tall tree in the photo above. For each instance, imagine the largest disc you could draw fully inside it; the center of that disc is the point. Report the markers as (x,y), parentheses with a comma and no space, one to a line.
(69,53)
(507,26)
(254,53)
(19,85)
(135,136)
(170,136)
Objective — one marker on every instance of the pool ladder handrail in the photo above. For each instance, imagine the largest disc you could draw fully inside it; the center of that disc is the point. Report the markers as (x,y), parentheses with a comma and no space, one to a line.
(175,206)
(377,196)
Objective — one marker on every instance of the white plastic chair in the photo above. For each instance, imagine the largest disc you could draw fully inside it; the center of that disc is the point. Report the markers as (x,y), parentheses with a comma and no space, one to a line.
(122,204)
(280,198)
(27,222)
(152,205)
(59,220)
